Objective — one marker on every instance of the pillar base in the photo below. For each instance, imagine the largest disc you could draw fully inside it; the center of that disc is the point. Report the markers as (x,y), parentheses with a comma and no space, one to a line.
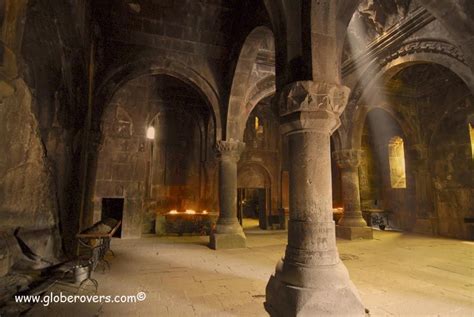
(334,295)
(220,241)
(353,233)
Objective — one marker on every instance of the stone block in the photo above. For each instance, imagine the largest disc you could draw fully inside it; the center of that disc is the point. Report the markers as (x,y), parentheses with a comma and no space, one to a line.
(104,172)
(220,241)
(424,226)
(160,225)
(123,172)
(353,233)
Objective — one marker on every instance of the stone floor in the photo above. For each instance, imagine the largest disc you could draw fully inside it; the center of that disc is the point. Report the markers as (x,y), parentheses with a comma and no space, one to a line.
(397,275)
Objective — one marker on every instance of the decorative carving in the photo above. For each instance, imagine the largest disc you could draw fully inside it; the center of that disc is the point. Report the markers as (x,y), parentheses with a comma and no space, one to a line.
(428,46)
(389,41)
(313,96)
(413,47)
(230,149)
(347,158)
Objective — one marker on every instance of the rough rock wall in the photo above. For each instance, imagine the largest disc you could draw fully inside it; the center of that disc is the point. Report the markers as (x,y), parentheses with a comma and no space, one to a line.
(53,66)
(27,192)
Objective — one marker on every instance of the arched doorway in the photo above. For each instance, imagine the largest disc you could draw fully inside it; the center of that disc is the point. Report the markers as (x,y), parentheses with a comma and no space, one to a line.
(254,195)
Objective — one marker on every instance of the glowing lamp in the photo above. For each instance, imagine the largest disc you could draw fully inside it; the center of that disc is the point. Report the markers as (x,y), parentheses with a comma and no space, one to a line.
(173,212)
(150,133)
(204,212)
(190,212)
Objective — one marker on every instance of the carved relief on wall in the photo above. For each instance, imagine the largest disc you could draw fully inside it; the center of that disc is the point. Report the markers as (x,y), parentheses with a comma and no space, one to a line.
(123,124)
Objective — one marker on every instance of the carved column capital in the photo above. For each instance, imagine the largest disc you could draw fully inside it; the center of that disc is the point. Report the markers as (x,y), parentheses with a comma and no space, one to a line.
(347,158)
(230,149)
(308,105)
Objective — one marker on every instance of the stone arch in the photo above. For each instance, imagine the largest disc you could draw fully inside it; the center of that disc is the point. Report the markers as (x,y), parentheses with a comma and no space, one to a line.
(254,166)
(405,57)
(146,66)
(360,120)
(455,15)
(261,90)
(244,83)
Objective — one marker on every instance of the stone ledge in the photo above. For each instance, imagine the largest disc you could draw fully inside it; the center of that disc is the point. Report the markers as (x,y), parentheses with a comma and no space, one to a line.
(220,241)
(353,233)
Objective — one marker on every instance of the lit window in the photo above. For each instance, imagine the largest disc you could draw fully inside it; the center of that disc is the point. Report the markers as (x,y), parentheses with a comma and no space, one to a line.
(258,125)
(150,133)
(471,133)
(396,157)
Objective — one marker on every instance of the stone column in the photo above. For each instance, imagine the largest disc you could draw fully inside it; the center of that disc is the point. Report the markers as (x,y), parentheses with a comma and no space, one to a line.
(351,225)
(311,280)
(228,233)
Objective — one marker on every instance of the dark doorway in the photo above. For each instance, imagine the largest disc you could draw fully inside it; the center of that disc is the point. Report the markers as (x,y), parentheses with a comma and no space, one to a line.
(252,203)
(113,208)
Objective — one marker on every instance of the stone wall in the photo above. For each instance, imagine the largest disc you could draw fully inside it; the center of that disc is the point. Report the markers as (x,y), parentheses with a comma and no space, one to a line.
(431,106)
(452,171)
(375,185)
(154,176)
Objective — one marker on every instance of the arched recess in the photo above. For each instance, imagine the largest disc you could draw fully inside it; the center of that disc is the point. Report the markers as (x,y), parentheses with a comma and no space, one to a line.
(261,90)
(155,66)
(363,91)
(253,181)
(384,179)
(360,121)
(249,83)
(254,177)
(153,172)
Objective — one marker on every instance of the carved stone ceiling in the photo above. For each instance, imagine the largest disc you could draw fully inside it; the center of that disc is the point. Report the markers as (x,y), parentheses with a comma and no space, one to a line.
(381,14)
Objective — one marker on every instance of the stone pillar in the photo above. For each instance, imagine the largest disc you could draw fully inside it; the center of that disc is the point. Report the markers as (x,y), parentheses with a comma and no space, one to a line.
(311,280)
(228,233)
(426,222)
(351,225)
